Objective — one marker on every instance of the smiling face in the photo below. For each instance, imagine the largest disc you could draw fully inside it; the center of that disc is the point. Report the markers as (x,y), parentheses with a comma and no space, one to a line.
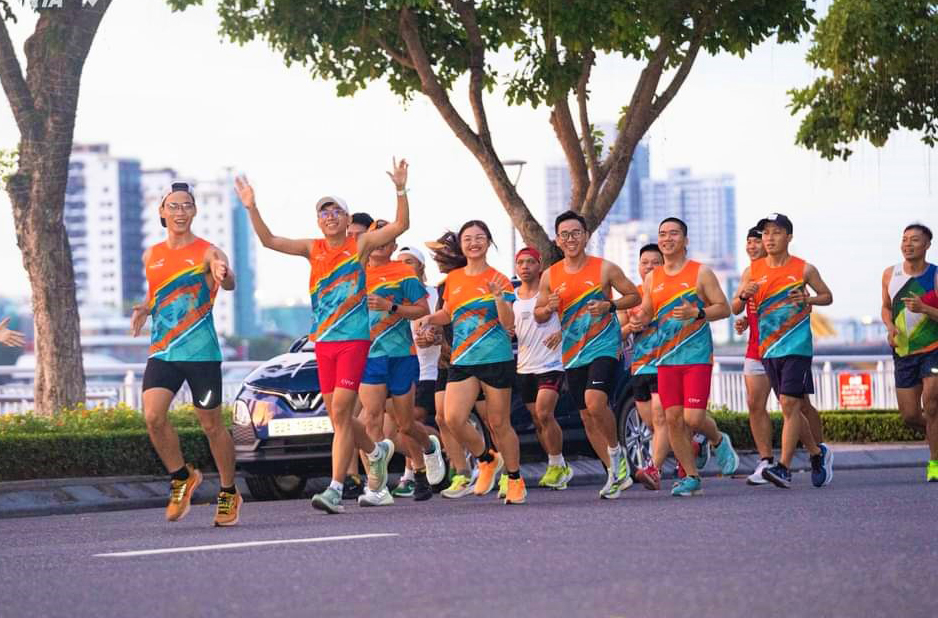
(914,244)
(474,242)
(775,238)
(572,238)
(356,229)
(333,220)
(671,239)
(178,209)
(527,268)
(647,262)
(755,249)
(413,263)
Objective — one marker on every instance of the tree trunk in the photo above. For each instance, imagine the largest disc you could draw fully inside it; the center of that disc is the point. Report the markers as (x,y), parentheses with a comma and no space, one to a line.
(44,105)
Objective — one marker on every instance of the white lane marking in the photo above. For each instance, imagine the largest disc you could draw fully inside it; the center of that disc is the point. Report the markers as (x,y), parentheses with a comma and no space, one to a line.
(192,548)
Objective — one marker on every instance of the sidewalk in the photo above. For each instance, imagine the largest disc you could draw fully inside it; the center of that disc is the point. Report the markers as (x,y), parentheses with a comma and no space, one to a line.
(114,493)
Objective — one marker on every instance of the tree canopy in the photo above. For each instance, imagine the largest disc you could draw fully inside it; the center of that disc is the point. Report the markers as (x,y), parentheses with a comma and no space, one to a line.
(880,64)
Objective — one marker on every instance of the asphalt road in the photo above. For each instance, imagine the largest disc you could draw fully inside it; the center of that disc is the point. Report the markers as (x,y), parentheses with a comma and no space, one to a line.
(864,546)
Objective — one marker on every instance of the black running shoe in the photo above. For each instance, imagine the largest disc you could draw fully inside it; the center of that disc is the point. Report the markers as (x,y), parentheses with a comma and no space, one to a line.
(353,487)
(422,489)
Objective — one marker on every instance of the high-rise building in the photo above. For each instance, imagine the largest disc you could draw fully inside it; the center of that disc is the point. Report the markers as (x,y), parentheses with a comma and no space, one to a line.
(102,220)
(707,204)
(623,243)
(222,221)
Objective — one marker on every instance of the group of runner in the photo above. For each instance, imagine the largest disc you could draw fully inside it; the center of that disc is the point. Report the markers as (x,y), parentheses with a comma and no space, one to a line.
(392,350)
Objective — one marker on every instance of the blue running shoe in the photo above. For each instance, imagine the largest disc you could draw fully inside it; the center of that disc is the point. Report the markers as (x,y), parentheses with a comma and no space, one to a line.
(778,475)
(822,466)
(701,450)
(727,458)
(687,486)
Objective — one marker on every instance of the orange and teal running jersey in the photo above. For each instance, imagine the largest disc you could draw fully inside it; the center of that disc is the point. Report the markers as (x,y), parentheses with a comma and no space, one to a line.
(680,342)
(918,333)
(645,345)
(784,326)
(478,336)
(337,292)
(584,337)
(180,298)
(390,333)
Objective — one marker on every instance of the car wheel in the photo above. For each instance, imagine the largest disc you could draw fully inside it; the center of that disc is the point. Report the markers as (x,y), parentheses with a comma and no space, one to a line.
(634,435)
(269,487)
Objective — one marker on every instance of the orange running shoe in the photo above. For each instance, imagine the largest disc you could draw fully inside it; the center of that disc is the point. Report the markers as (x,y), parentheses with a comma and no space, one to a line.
(229,508)
(180,494)
(516,491)
(488,473)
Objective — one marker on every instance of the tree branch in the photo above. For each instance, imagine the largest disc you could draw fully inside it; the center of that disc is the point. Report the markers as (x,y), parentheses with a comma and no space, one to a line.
(395,55)
(14,84)
(589,144)
(467,15)
(562,121)
(662,100)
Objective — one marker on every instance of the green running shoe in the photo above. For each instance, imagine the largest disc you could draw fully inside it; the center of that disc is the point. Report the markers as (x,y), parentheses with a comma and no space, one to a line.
(404,489)
(556,477)
(503,486)
(329,501)
(378,468)
(460,486)
(623,470)
(932,474)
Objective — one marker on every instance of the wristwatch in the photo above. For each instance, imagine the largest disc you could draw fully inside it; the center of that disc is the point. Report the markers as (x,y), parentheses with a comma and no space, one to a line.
(393,308)
(701,314)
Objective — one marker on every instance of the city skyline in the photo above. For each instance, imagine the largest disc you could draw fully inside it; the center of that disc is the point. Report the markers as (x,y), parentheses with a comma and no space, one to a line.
(240,107)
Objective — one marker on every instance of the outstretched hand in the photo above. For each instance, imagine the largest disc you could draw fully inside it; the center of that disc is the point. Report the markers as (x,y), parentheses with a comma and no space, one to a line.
(741,325)
(399,174)
(137,319)
(12,338)
(245,192)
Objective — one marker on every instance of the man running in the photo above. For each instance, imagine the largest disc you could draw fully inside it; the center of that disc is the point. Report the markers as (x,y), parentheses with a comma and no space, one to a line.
(684,296)
(396,298)
(786,346)
(184,273)
(910,313)
(757,382)
(644,372)
(540,368)
(579,288)
(340,319)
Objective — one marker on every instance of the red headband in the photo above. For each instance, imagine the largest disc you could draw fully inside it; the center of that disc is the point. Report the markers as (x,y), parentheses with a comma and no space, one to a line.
(530,251)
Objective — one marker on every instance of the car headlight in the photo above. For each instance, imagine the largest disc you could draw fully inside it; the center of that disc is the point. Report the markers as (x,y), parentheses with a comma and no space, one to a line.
(240,415)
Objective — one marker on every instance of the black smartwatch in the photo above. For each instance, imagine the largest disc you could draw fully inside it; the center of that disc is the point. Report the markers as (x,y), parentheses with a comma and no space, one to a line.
(701,314)
(393,308)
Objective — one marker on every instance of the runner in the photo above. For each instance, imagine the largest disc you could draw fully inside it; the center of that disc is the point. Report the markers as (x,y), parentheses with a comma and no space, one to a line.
(644,371)
(361,221)
(184,273)
(540,368)
(340,317)
(579,289)
(910,313)
(783,306)
(9,337)
(477,300)
(684,296)
(757,383)
(395,298)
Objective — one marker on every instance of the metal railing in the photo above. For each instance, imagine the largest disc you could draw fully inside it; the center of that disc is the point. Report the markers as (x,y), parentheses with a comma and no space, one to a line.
(122,383)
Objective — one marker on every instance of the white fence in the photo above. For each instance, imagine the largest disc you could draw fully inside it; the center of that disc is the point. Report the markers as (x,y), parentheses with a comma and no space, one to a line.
(122,383)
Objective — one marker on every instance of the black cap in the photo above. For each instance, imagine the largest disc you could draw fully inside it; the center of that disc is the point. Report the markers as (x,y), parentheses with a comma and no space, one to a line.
(755,232)
(778,219)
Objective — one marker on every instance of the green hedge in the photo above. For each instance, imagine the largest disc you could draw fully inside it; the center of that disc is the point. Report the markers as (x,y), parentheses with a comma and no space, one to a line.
(82,420)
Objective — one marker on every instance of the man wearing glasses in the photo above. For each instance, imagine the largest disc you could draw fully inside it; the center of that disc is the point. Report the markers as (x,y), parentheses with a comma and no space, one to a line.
(183,274)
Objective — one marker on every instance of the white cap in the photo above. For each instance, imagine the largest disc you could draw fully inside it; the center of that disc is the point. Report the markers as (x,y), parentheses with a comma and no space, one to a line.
(331,199)
(417,253)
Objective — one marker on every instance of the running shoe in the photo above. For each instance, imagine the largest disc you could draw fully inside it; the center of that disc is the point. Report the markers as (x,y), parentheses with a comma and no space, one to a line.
(727,458)
(436,467)
(329,501)
(376,498)
(404,489)
(610,490)
(778,475)
(378,468)
(516,492)
(180,494)
(701,450)
(931,473)
(228,510)
(556,477)
(756,477)
(503,486)
(460,486)
(649,476)
(623,471)
(353,487)
(821,466)
(828,463)
(488,473)
(422,489)
(689,486)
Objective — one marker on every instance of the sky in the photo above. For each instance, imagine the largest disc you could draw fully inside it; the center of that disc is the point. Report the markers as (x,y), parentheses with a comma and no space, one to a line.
(166,88)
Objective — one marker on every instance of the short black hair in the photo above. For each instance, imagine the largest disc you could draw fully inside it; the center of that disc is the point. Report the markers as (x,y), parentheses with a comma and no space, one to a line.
(921,227)
(652,246)
(363,219)
(674,220)
(568,216)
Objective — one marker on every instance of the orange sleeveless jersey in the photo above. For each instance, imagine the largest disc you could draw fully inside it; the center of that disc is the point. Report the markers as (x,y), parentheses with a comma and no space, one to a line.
(784,327)
(680,342)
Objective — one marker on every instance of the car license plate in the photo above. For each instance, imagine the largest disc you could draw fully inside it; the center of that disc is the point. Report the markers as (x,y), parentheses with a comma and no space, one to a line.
(299,426)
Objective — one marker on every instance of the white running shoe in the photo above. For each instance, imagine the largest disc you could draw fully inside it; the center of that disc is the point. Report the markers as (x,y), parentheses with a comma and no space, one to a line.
(610,490)
(756,477)
(376,498)
(436,467)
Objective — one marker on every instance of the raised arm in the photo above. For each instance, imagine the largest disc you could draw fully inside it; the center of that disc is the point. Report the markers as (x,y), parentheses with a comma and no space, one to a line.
(747,289)
(218,269)
(290,246)
(716,306)
(370,240)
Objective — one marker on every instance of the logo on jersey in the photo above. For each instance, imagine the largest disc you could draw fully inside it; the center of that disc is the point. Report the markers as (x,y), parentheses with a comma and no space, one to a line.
(157,264)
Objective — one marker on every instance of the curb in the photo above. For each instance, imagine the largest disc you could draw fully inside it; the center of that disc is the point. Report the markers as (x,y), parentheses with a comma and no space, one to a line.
(116,493)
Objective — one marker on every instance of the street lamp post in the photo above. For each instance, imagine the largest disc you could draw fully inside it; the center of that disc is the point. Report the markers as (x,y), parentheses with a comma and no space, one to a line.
(519,163)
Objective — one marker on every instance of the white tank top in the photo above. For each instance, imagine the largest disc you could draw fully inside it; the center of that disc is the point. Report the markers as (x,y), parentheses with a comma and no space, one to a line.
(428,357)
(533,355)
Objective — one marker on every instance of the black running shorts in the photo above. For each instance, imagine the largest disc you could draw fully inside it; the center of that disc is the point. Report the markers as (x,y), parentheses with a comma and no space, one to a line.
(598,375)
(203,377)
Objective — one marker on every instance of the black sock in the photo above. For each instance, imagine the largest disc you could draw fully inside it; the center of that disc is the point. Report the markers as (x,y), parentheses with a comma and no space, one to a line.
(420,476)
(695,476)
(782,466)
(181,474)
(770,460)
(229,490)
(486,457)
(514,475)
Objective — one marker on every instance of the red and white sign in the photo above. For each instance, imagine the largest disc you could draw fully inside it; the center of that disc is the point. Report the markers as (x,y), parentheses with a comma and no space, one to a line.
(856,391)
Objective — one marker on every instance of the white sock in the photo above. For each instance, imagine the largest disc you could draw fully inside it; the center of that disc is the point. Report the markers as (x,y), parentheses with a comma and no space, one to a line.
(556,460)
(375,455)
(336,485)
(408,475)
(613,451)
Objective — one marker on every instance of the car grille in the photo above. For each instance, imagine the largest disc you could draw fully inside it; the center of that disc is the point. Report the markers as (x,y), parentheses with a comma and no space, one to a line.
(242,434)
